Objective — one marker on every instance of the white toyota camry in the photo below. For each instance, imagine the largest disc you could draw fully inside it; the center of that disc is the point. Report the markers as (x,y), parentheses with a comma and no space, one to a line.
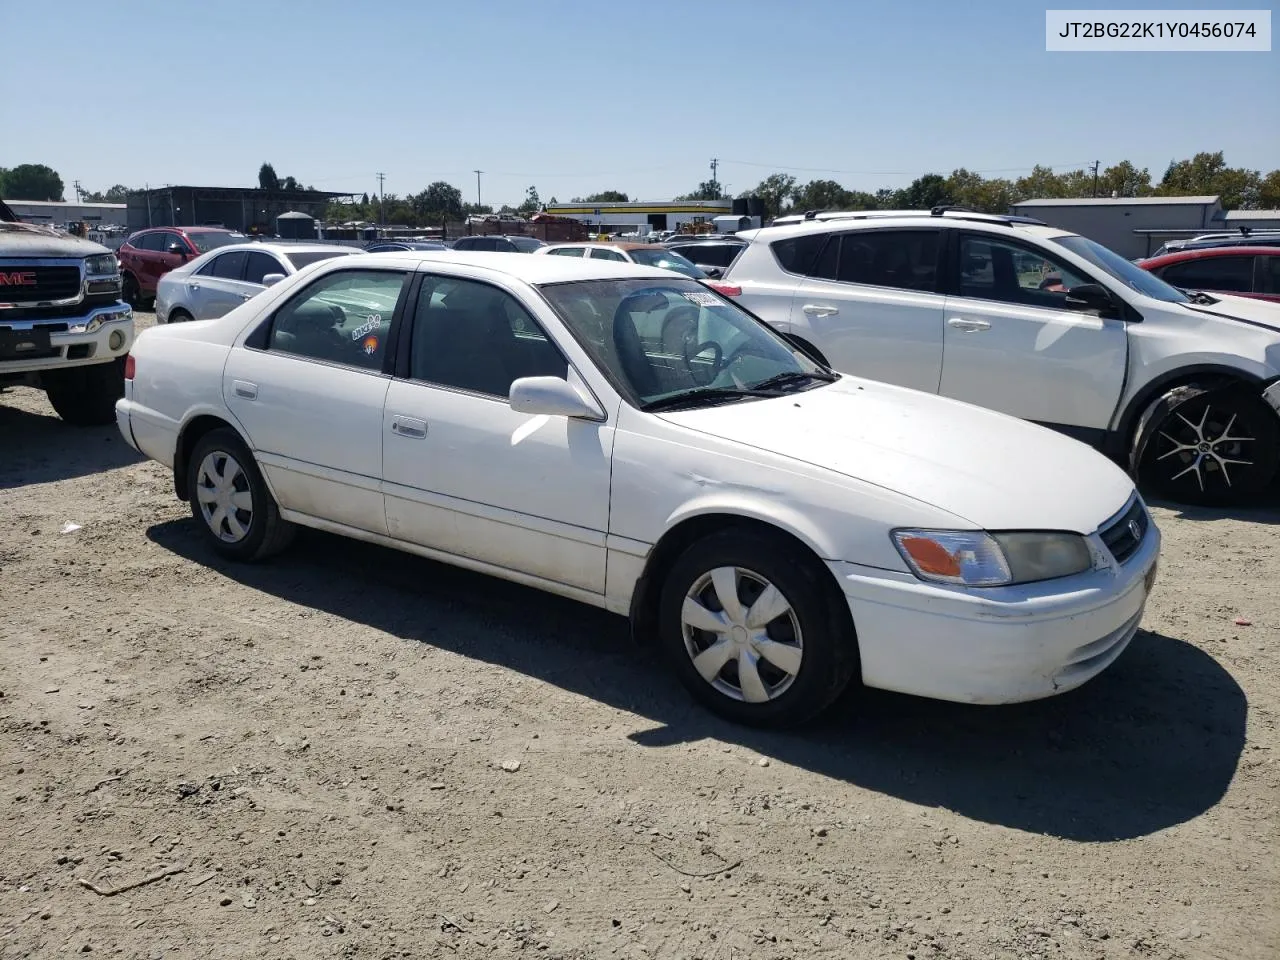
(629,438)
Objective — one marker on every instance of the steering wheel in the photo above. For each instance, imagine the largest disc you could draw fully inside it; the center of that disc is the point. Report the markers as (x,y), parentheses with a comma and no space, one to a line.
(700,375)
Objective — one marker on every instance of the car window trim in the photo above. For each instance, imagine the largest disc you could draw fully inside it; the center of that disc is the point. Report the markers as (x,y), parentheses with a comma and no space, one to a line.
(404,344)
(953,285)
(259,338)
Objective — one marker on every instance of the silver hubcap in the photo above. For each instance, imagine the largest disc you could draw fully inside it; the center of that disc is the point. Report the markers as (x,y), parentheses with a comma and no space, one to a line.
(1206,450)
(741,634)
(226,502)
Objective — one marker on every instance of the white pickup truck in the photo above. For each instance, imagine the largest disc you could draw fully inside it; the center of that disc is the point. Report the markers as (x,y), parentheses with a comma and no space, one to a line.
(63,326)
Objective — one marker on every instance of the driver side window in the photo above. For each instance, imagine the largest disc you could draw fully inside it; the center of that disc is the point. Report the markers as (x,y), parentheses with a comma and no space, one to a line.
(342,318)
(991,269)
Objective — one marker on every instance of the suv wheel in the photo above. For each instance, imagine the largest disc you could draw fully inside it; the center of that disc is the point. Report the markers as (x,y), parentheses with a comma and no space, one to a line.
(86,396)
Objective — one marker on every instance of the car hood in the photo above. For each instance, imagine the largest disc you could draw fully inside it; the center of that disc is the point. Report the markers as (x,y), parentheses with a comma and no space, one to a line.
(32,240)
(995,471)
(1258,313)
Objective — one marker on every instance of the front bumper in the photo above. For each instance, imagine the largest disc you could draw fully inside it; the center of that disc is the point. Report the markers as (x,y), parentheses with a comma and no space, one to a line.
(1001,645)
(100,334)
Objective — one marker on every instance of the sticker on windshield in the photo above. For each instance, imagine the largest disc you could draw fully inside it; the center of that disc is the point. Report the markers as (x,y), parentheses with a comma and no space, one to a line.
(702,299)
(372,322)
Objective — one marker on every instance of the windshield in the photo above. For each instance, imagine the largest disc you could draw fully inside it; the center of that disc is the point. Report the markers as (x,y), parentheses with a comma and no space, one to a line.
(303,258)
(668,260)
(1133,277)
(661,339)
(208,241)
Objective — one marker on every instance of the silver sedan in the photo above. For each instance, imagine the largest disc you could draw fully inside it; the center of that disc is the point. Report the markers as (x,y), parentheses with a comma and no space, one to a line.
(222,279)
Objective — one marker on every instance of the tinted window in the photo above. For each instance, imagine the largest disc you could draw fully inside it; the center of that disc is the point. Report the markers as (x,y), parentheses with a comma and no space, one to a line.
(342,318)
(993,269)
(904,259)
(169,239)
(566,251)
(204,242)
(1270,279)
(712,254)
(796,254)
(526,244)
(152,241)
(1133,277)
(667,260)
(260,264)
(303,258)
(1234,274)
(475,337)
(229,266)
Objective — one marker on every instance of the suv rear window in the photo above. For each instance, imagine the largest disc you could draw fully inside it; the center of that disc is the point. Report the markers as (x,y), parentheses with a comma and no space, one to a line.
(796,254)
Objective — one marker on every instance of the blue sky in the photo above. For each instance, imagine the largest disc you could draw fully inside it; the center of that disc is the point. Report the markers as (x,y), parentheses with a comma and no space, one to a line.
(576,96)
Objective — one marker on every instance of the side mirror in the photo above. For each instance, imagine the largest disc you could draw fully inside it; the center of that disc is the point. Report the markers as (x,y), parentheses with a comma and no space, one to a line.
(552,397)
(178,248)
(271,279)
(1093,298)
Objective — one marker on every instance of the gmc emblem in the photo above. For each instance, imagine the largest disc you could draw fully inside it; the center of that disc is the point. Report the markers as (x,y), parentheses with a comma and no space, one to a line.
(25,279)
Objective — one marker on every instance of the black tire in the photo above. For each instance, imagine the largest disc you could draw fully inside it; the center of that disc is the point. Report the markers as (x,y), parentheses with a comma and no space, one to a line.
(129,291)
(265,532)
(1188,461)
(86,396)
(180,316)
(829,661)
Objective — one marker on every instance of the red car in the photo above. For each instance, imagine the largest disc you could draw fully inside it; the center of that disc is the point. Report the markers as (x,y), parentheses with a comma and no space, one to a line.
(149,254)
(1244,271)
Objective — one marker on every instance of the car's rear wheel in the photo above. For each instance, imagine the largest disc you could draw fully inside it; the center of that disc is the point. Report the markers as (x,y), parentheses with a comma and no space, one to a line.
(86,396)
(755,630)
(230,500)
(1215,449)
(130,292)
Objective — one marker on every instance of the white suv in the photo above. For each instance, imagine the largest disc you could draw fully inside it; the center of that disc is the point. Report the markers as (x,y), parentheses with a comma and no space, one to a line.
(1008,313)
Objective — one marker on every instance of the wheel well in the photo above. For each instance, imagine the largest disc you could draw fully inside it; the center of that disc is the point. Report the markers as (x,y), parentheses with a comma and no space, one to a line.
(644,599)
(187,441)
(1123,437)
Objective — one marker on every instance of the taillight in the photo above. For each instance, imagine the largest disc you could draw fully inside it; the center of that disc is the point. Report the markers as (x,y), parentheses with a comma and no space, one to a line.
(128,367)
(725,289)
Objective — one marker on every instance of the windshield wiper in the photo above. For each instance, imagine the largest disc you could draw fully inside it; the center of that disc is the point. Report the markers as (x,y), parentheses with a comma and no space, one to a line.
(705,396)
(793,377)
(1199,296)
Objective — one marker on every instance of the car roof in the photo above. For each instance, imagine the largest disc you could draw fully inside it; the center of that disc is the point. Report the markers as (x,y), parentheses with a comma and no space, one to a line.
(1206,253)
(896,219)
(286,248)
(521,266)
(620,245)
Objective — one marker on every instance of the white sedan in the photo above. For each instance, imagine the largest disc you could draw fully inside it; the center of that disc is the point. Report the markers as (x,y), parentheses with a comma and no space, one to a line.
(629,438)
(219,281)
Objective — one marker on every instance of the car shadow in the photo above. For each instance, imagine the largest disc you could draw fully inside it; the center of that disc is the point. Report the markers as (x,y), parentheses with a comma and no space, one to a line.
(1266,510)
(40,448)
(1152,742)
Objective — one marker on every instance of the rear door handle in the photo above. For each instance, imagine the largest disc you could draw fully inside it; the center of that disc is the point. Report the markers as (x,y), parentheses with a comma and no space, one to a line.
(244,388)
(820,310)
(409,427)
(968,326)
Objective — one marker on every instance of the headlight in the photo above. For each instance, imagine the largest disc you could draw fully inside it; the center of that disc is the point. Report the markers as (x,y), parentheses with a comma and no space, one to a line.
(102,265)
(975,558)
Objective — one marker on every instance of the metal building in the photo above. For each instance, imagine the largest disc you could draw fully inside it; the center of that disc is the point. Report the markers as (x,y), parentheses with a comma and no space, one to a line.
(249,210)
(642,216)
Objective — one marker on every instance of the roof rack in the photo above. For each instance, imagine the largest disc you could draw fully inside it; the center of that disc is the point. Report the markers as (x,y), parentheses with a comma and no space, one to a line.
(952,211)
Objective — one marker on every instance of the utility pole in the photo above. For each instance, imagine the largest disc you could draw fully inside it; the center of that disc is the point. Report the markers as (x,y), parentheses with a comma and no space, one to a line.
(76,185)
(1095,177)
(381,213)
(477,173)
(714,163)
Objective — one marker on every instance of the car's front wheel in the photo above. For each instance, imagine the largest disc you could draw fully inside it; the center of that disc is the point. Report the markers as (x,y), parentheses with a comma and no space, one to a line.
(755,630)
(230,500)
(1217,448)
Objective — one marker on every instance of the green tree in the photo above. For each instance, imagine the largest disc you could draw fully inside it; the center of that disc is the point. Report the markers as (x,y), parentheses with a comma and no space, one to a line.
(1040,184)
(1269,191)
(604,196)
(707,190)
(925,192)
(1124,180)
(887,199)
(775,192)
(267,179)
(822,195)
(31,181)
(531,201)
(439,200)
(476,208)
(1207,174)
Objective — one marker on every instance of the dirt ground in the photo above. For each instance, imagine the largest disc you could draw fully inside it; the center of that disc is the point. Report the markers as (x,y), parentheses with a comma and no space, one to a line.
(357,753)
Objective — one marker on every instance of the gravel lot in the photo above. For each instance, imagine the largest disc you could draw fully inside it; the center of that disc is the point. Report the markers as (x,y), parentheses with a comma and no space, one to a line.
(358,753)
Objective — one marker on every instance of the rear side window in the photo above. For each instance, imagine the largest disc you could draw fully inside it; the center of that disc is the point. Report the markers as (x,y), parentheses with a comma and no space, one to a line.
(797,254)
(149,241)
(230,266)
(345,318)
(599,253)
(1270,275)
(901,259)
(1230,274)
(260,264)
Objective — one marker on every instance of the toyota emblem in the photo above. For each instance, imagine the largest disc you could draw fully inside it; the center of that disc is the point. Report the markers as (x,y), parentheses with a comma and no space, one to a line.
(1135,530)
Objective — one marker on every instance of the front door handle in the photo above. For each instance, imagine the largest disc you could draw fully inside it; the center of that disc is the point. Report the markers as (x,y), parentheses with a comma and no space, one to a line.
(820,310)
(968,326)
(409,427)
(244,388)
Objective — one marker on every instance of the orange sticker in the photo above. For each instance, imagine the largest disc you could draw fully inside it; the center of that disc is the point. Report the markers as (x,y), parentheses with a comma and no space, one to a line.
(370,345)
